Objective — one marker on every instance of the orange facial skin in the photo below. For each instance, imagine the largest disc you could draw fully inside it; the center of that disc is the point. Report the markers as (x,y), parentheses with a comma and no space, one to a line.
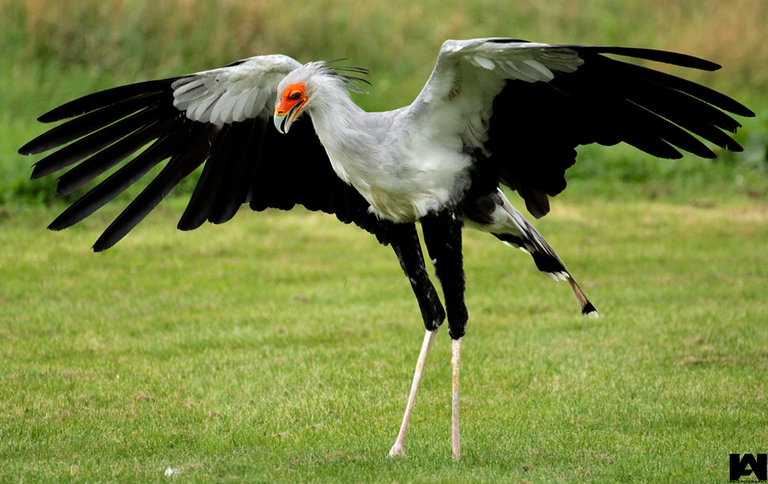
(292,101)
(293,97)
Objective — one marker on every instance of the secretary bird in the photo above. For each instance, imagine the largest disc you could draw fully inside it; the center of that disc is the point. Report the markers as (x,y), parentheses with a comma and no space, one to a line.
(495,112)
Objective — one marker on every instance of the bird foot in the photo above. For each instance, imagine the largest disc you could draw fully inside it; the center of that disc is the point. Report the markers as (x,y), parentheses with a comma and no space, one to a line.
(397,451)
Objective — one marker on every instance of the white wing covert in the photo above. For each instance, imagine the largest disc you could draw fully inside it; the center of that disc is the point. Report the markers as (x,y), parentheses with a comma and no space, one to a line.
(524,61)
(233,93)
(469,74)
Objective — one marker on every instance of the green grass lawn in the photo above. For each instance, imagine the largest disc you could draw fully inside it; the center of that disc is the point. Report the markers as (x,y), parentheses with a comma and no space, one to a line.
(279,348)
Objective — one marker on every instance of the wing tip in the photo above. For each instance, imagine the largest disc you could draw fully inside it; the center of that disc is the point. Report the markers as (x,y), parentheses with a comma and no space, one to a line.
(103,243)
(656,55)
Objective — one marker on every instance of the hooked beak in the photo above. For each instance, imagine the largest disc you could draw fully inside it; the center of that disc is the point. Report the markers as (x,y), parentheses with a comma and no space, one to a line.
(285,115)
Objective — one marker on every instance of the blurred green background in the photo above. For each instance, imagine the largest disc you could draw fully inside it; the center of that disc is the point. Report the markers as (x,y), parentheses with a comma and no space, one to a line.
(54,50)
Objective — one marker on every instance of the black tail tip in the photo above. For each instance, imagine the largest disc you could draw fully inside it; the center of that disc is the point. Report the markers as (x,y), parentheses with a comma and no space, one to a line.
(589,310)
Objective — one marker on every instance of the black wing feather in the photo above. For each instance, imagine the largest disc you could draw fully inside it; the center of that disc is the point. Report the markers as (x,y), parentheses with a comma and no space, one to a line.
(108,97)
(123,178)
(203,199)
(92,143)
(665,56)
(178,168)
(605,101)
(85,124)
(238,177)
(114,154)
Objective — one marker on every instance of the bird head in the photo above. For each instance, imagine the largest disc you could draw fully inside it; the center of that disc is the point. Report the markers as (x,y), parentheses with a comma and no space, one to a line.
(296,90)
(293,95)
(291,101)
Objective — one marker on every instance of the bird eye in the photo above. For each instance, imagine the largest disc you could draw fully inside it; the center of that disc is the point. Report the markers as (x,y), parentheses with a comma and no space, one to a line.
(294,96)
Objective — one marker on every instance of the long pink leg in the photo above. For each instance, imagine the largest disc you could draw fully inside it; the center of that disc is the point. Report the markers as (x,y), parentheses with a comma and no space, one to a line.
(429,338)
(455,364)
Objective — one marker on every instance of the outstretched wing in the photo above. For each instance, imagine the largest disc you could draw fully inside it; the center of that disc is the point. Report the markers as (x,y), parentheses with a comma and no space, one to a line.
(219,118)
(529,105)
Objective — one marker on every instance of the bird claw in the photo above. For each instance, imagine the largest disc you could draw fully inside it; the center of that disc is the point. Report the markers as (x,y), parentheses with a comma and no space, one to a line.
(397,451)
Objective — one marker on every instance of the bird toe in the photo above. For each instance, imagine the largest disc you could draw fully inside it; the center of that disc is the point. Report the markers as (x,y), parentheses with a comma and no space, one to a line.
(397,451)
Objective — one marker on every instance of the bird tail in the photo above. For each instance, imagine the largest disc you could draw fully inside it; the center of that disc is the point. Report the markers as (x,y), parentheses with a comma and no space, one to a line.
(517,232)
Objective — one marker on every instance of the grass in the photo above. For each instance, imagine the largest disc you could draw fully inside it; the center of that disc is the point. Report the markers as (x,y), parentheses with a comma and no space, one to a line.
(279,348)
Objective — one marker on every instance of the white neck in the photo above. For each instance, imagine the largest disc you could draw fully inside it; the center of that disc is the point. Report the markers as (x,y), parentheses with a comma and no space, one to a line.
(344,131)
